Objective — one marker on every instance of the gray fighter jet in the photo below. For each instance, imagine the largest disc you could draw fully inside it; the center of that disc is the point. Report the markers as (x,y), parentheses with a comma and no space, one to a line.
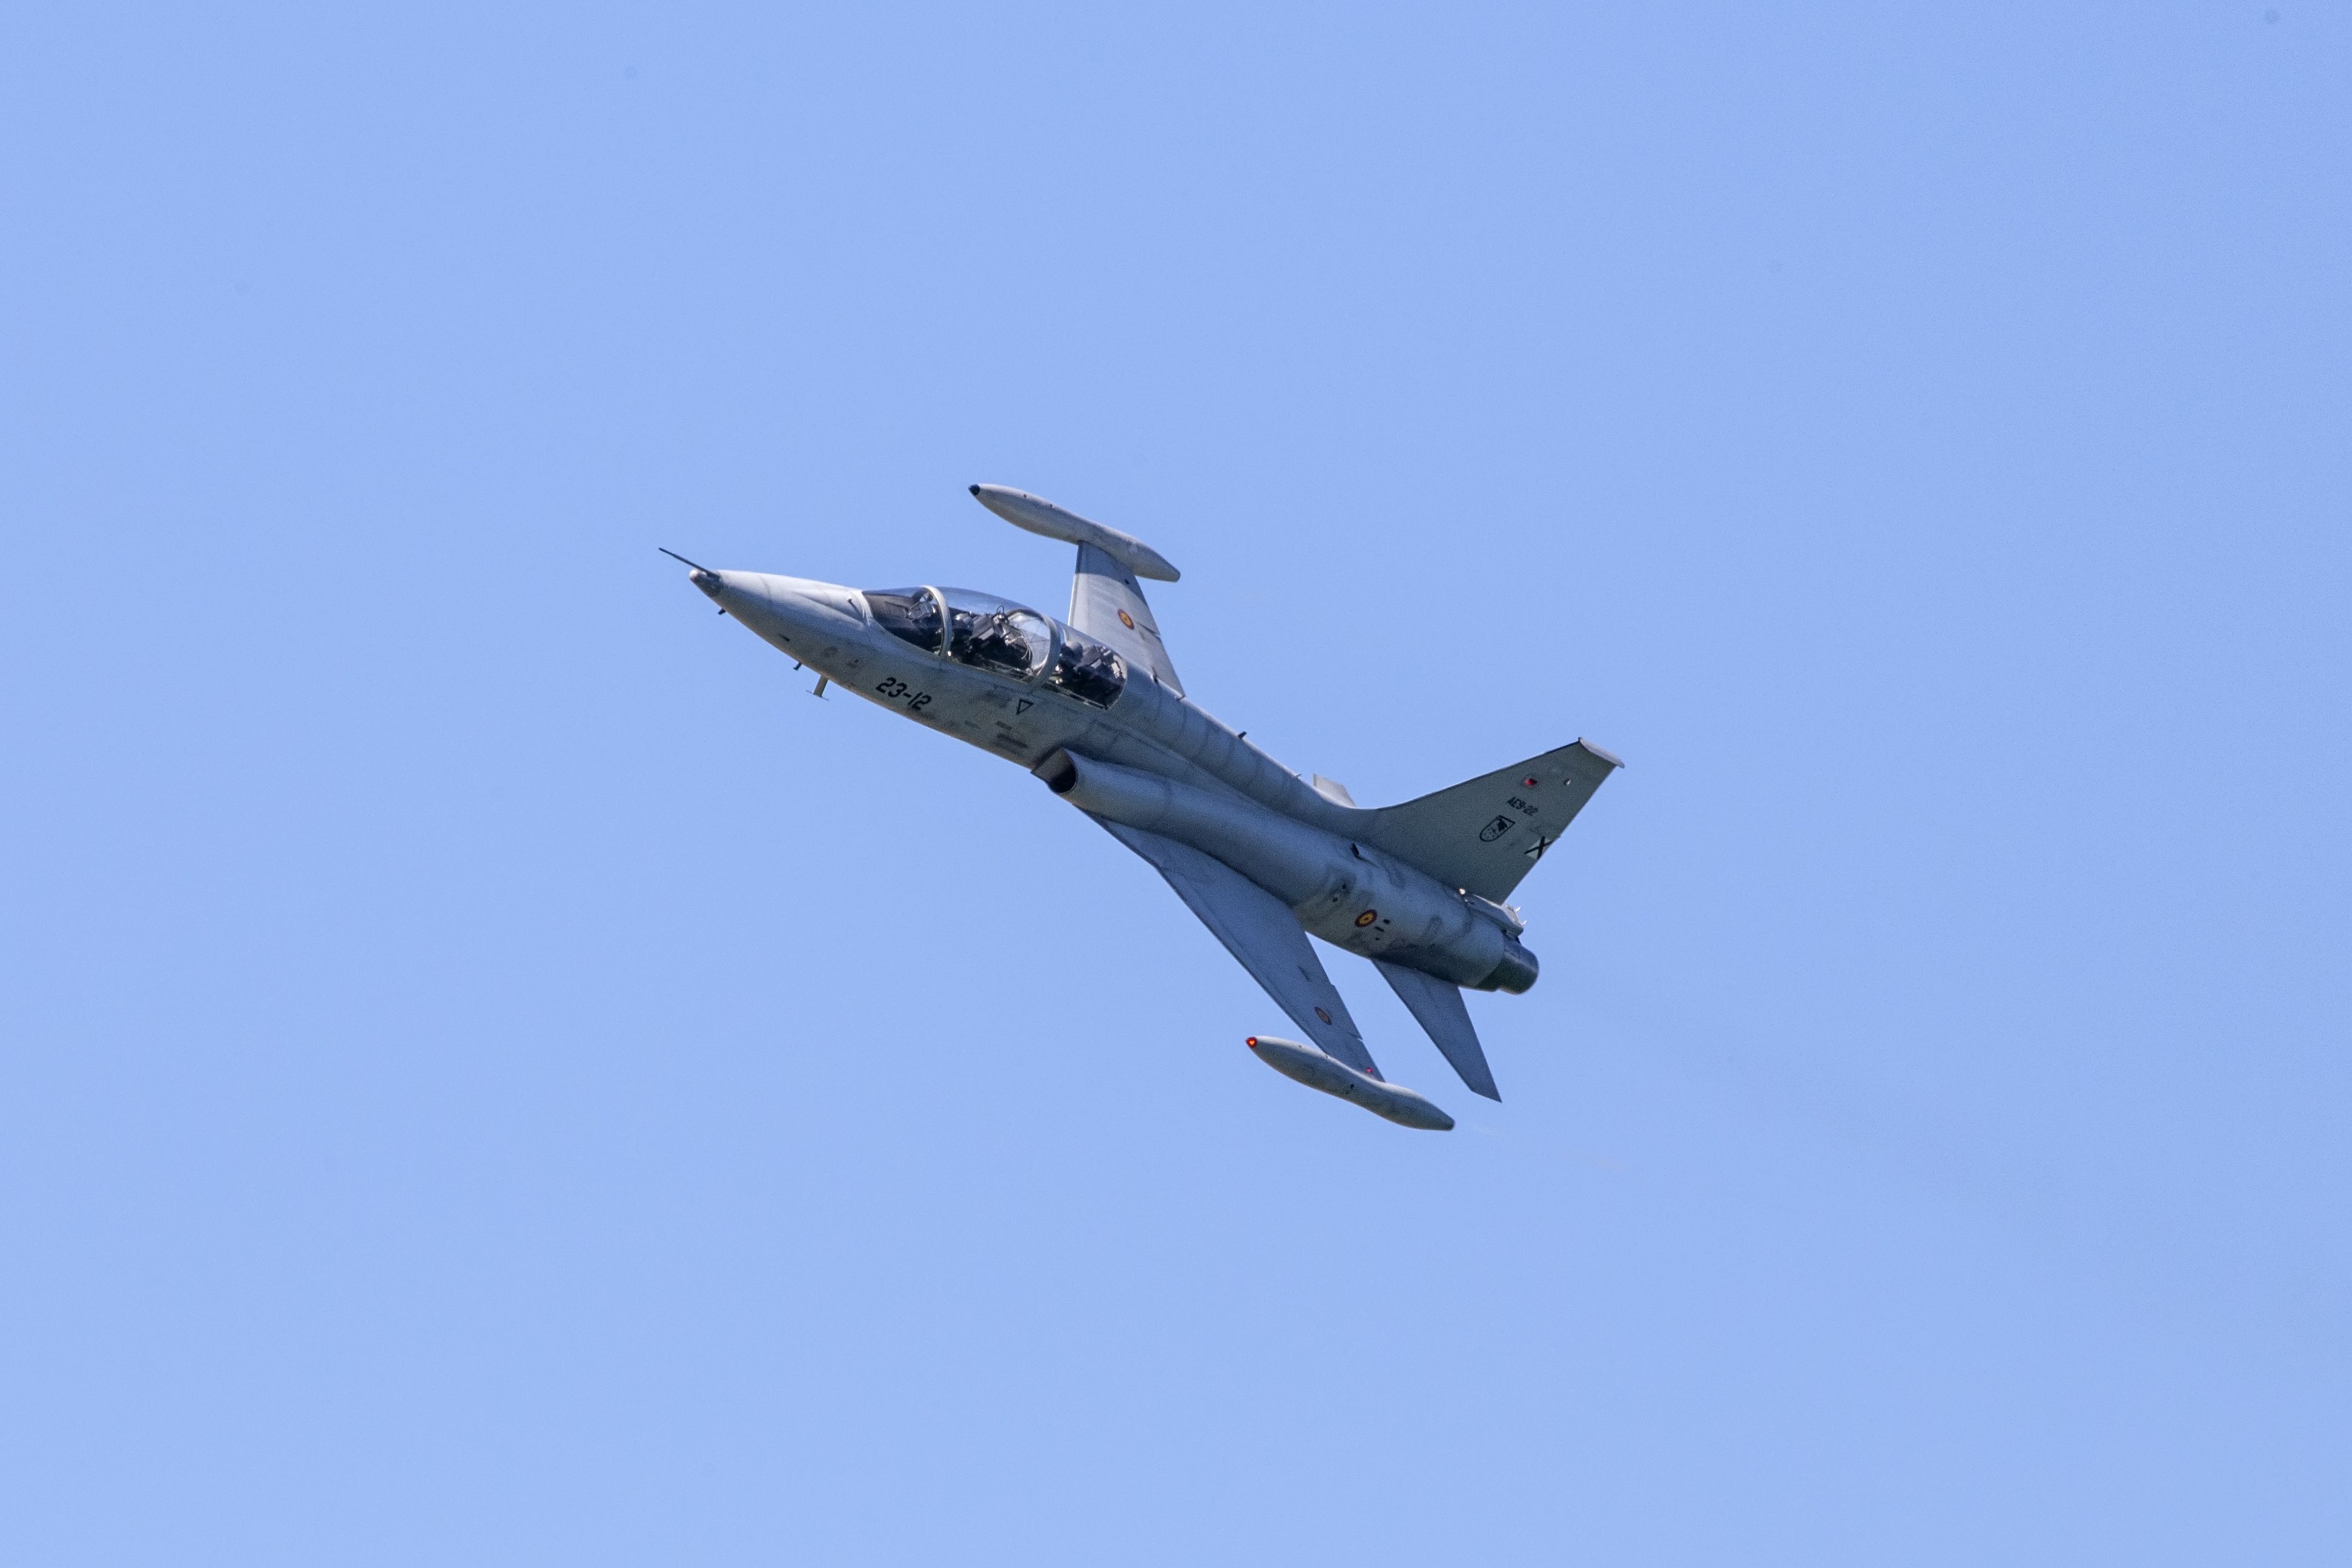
(1093,708)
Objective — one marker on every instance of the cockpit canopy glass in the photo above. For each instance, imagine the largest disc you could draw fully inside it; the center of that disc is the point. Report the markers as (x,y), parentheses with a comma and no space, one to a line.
(995,634)
(910,614)
(1002,637)
(1089,671)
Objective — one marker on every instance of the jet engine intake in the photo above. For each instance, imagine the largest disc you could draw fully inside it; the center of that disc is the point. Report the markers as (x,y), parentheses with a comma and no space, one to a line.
(1059,772)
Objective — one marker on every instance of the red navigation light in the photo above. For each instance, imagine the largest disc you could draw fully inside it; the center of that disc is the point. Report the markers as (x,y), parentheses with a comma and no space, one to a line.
(1250,1042)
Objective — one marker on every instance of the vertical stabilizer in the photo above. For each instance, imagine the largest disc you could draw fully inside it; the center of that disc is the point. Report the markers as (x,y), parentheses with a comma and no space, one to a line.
(1483,836)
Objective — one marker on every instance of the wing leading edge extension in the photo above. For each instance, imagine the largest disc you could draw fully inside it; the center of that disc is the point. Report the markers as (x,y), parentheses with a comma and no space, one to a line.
(1258,930)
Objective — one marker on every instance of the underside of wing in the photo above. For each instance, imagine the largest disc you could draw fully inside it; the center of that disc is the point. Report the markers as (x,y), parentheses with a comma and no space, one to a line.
(1439,1010)
(1260,931)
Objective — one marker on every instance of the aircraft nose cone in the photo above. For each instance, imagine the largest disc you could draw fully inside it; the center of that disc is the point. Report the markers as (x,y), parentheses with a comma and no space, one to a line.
(710,582)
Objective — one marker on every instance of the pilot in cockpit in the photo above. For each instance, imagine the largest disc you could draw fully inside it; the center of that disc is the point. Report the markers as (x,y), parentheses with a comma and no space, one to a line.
(992,642)
(1089,672)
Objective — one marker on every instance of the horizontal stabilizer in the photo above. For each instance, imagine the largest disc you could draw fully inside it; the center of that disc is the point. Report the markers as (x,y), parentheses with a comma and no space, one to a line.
(1440,1009)
(1040,516)
(1331,789)
(1484,835)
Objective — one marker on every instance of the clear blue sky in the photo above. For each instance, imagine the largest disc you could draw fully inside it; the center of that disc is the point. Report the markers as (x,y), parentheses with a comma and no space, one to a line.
(494,1073)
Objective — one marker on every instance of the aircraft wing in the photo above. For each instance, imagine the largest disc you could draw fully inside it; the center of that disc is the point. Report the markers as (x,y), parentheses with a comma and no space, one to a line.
(1258,929)
(1107,604)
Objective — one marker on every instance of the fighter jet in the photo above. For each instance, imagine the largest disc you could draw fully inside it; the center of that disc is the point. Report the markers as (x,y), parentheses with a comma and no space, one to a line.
(1091,706)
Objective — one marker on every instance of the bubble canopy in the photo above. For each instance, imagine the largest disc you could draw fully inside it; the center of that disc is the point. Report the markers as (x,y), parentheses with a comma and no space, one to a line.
(1001,637)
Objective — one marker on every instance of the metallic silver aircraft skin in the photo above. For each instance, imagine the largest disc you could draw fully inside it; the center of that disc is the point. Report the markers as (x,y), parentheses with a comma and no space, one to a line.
(1092,706)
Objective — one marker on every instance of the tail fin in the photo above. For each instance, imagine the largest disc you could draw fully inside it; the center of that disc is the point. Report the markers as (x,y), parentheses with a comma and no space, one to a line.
(1486,834)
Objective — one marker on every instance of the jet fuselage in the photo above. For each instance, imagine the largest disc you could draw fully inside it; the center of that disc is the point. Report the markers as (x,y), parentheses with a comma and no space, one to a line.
(1119,744)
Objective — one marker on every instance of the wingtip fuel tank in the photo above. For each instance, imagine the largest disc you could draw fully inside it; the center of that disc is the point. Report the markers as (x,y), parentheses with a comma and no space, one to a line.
(1304,1064)
(1040,516)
